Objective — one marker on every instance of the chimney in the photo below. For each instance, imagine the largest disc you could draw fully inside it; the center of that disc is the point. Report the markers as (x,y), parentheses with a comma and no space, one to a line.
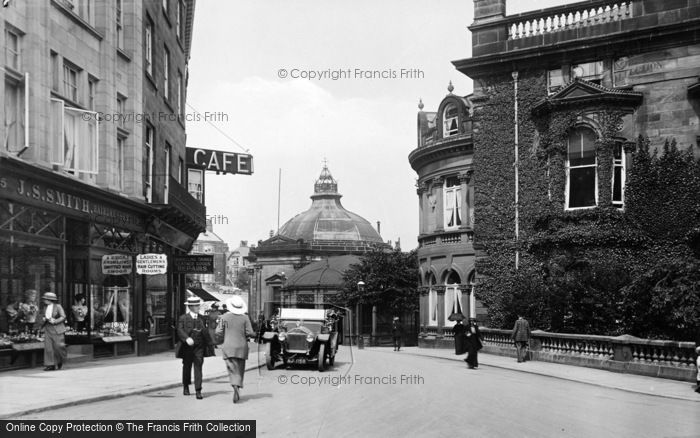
(244,243)
(210,226)
(379,228)
(272,233)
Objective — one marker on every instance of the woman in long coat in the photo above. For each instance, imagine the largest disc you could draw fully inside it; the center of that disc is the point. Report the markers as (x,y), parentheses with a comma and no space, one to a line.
(459,330)
(473,344)
(235,329)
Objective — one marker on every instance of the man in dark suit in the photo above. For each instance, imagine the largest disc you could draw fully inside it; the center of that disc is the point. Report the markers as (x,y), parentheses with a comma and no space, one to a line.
(51,321)
(521,337)
(397,333)
(194,341)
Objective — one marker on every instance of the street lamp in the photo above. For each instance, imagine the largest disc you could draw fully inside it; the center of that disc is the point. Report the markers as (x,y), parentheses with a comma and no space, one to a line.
(360,288)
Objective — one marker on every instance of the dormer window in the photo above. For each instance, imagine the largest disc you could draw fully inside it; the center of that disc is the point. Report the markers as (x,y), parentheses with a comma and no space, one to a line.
(590,71)
(450,121)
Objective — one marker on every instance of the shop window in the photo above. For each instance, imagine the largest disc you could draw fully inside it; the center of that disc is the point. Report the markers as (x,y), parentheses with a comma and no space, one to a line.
(450,121)
(590,71)
(581,171)
(156,316)
(112,307)
(27,270)
(74,138)
(452,196)
(618,182)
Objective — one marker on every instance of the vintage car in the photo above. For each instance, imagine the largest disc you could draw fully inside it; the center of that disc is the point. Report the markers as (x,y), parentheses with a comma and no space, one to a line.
(301,336)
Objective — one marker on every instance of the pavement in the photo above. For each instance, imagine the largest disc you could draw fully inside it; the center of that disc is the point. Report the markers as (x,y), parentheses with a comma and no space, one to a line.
(28,391)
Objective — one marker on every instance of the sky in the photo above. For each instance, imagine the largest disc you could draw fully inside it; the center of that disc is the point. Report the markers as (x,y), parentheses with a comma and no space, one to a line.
(297,83)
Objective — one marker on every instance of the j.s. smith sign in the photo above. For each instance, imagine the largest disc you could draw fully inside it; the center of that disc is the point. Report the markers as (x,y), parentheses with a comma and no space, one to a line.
(220,161)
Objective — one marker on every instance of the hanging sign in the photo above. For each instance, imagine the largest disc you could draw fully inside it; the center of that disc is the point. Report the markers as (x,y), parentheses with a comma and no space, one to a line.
(151,264)
(116,264)
(219,161)
(193,264)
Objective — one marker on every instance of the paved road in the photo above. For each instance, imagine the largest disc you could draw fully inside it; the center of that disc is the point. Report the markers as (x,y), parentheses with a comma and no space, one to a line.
(399,395)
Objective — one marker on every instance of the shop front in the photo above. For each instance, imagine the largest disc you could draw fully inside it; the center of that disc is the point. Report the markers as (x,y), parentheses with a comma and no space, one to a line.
(56,234)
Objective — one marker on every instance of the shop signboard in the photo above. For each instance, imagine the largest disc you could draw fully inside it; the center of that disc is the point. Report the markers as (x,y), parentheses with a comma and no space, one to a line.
(193,264)
(220,161)
(116,264)
(151,264)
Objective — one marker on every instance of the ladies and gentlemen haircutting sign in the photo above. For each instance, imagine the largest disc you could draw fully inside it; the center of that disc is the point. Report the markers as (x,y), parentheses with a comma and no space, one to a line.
(220,161)
(151,264)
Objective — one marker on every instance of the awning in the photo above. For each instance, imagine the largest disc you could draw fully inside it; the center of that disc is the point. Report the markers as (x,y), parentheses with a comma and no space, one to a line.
(201,293)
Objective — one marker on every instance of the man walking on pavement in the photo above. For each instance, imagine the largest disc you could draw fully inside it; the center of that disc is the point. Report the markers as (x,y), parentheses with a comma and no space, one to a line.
(397,333)
(521,337)
(193,345)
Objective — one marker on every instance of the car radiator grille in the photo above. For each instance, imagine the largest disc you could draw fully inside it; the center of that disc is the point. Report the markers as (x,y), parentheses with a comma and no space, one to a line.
(296,342)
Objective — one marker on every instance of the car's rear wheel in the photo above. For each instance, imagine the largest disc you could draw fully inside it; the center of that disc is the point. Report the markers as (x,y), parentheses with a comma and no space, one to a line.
(322,357)
(268,356)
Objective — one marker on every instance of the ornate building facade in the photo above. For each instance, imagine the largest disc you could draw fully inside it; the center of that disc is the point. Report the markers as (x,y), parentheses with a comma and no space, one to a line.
(92,171)
(443,161)
(560,97)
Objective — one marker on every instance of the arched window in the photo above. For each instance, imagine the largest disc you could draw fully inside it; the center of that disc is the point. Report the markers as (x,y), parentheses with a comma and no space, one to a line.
(450,121)
(432,300)
(581,171)
(453,297)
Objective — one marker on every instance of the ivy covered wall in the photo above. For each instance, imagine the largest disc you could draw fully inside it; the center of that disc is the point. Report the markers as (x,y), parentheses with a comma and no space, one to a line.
(600,270)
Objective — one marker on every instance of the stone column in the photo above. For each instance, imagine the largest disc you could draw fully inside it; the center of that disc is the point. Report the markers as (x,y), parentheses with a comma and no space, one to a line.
(421,189)
(438,191)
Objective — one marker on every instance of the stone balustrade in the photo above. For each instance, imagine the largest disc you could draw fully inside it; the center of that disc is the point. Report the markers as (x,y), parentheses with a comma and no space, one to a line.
(667,359)
(564,18)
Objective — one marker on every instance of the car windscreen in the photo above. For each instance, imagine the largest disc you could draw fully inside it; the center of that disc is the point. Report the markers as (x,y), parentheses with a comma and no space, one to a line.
(313,326)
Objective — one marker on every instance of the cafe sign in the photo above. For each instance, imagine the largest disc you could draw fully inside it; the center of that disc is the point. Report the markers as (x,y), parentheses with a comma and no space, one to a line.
(116,264)
(151,264)
(220,161)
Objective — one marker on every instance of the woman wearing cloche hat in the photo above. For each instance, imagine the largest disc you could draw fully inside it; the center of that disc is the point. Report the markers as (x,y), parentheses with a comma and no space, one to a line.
(235,329)
(51,321)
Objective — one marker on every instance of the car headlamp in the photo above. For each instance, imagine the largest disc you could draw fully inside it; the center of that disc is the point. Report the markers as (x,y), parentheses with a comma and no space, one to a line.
(309,338)
(282,336)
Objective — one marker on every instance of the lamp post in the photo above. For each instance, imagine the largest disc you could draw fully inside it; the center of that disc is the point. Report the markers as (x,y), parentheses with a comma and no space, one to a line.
(360,288)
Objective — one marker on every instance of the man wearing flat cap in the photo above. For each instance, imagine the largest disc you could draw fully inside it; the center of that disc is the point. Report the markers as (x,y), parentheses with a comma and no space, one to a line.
(51,321)
(193,346)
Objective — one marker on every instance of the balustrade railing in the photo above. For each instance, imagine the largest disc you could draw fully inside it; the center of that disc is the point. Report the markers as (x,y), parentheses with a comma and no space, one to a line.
(621,348)
(559,19)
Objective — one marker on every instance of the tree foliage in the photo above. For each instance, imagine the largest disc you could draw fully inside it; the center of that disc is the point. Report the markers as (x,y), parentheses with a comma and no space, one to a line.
(390,278)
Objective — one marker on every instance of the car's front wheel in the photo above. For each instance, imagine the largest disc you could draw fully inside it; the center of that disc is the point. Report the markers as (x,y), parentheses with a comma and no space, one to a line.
(322,357)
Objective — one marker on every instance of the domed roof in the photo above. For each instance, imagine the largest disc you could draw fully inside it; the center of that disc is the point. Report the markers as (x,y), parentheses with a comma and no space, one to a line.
(324,273)
(327,219)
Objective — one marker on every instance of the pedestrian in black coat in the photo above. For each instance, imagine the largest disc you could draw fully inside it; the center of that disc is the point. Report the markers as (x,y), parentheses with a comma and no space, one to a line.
(460,330)
(474,344)
(397,333)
